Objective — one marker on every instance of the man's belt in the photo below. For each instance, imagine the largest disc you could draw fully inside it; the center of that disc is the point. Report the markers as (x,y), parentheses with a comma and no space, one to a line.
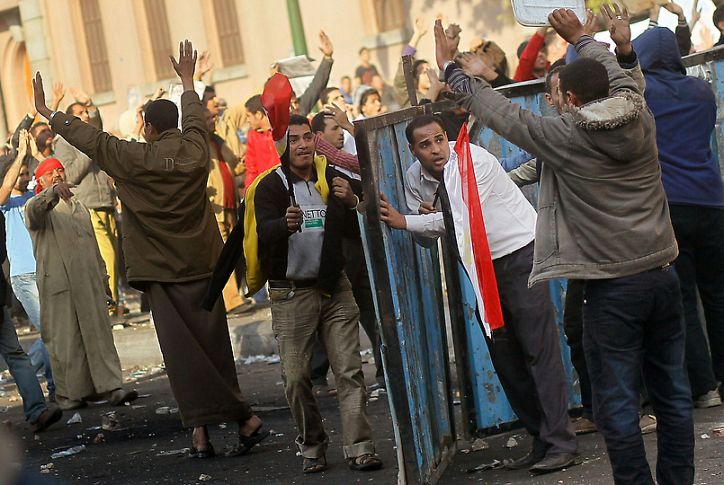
(292,284)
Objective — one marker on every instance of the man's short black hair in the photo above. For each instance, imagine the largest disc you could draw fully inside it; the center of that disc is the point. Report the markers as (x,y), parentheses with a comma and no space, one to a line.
(36,126)
(324,95)
(549,77)
(299,120)
(162,114)
(419,122)
(69,109)
(718,16)
(361,50)
(521,48)
(586,78)
(366,95)
(253,105)
(559,63)
(41,141)
(319,122)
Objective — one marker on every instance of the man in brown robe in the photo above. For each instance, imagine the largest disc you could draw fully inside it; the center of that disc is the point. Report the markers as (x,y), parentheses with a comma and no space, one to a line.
(73,287)
(171,245)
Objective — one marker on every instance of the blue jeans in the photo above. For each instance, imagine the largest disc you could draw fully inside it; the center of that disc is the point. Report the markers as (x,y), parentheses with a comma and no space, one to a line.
(26,291)
(634,325)
(21,369)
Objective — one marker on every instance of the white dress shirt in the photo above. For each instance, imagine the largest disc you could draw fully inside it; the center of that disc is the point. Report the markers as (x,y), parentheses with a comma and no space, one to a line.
(509,217)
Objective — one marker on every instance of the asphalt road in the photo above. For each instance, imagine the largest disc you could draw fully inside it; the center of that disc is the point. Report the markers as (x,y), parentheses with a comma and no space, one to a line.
(142,450)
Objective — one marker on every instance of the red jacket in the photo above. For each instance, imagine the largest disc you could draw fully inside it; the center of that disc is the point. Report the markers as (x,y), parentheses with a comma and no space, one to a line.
(524,72)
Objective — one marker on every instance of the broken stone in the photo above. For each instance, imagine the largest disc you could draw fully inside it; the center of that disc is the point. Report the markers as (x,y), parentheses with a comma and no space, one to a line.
(109,421)
(118,326)
(511,443)
(75,419)
(479,444)
(181,451)
(204,477)
(100,438)
(718,432)
(705,436)
(163,410)
(47,467)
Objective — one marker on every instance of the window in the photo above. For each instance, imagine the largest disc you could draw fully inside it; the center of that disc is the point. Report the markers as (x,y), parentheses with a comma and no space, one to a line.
(227,27)
(160,36)
(389,14)
(95,41)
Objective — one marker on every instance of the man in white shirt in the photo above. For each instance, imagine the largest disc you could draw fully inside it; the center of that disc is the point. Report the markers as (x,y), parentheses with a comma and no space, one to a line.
(526,351)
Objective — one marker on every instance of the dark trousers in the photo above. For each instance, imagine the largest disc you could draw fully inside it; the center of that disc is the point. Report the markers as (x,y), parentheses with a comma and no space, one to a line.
(573,326)
(631,324)
(356,270)
(700,265)
(526,355)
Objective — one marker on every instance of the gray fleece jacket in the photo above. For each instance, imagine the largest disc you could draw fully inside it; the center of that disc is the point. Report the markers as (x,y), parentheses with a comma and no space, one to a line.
(602,207)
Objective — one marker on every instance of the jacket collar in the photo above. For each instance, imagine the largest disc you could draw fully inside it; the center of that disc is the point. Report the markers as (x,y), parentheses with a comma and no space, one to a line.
(609,113)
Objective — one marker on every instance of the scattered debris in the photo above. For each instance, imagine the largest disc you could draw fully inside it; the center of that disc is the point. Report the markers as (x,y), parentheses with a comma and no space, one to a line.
(13,399)
(511,443)
(3,409)
(479,444)
(144,396)
(253,359)
(718,432)
(46,468)
(173,411)
(705,436)
(75,419)
(163,410)
(373,399)
(378,392)
(137,406)
(109,421)
(222,426)
(36,437)
(100,438)
(118,326)
(268,409)
(204,477)
(486,466)
(181,451)
(73,450)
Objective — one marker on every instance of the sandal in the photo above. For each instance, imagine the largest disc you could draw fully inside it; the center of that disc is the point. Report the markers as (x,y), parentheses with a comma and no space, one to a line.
(246,443)
(314,465)
(364,463)
(202,454)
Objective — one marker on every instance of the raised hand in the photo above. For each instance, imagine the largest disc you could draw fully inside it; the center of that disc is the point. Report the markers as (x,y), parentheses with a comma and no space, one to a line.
(617,21)
(340,116)
(442,49)
(695,15)
(58,94)
(436,86)
(474,65)
(205,65)
(590,24)
(186,64)
(676,9)
(325,45)
(39,96)
(566,23)
(453,38)
(25,142)
(420,28)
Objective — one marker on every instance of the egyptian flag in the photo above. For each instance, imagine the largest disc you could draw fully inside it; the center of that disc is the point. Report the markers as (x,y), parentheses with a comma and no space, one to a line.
(470,237)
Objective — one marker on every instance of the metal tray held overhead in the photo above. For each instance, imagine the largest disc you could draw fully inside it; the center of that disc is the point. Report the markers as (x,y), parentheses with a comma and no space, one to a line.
(534,13)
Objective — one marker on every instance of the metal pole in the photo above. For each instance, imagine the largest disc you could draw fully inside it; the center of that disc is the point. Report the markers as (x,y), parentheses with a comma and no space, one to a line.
(297,28)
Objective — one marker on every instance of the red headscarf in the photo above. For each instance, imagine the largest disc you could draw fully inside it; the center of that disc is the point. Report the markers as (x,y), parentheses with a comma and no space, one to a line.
(46,166)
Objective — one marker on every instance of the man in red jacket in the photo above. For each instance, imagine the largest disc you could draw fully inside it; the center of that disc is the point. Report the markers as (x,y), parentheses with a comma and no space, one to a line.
(533,62)
(261,154)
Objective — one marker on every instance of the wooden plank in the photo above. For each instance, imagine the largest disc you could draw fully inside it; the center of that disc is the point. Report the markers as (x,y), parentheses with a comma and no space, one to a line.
(407,62)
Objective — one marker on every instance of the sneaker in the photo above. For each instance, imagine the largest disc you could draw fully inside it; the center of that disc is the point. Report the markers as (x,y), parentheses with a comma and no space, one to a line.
(584,426)
(708,400)
(647,423)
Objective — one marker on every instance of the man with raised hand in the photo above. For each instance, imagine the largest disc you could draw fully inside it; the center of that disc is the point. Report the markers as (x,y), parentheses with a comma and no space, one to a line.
(171,245)
(603,218)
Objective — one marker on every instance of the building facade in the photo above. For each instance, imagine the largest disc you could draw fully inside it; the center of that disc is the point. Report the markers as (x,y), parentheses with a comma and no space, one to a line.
(117,50)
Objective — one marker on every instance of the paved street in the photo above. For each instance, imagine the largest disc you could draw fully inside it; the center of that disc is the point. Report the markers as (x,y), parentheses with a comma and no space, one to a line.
(142,449)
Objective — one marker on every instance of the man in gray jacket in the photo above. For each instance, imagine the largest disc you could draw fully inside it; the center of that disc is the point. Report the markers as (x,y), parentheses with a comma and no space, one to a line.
(603,218)
(94,189)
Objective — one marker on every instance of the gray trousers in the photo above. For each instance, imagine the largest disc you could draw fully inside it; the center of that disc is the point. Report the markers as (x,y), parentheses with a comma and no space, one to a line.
(297,318)
(526,354)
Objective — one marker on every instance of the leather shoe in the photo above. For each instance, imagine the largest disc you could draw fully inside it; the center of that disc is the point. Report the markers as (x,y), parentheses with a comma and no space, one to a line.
(67,404)
(555,462)
(119,397)
(47,417)
(533,457)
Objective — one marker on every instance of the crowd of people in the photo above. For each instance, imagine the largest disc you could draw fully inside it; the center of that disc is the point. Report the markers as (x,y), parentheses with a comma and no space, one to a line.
(630,211)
